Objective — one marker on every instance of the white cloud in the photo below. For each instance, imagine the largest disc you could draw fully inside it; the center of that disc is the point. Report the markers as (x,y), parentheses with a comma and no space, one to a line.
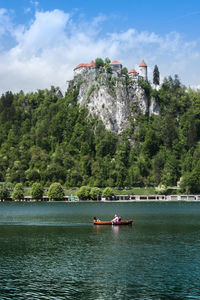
(6,29)
(195,87)
(46,52)
(5,22)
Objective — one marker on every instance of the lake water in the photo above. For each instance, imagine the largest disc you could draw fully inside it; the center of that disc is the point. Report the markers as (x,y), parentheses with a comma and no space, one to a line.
(52,251)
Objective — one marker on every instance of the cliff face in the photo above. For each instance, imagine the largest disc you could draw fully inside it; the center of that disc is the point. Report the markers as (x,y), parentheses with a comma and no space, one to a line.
(113,98)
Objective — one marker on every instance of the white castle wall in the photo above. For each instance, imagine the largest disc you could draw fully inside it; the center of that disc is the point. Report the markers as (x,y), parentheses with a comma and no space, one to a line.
(143,72)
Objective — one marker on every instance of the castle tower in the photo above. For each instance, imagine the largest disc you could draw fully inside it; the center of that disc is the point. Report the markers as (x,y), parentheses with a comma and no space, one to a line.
(143,70)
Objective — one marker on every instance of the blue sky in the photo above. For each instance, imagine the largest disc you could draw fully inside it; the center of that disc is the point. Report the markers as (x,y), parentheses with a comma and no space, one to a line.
(42,41)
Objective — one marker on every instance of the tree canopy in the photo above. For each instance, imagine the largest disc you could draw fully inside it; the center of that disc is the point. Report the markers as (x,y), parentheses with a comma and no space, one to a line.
(56,191)
(18,192)
(37,190)
(47,139)
(99,62)
(156,76)
(4,192)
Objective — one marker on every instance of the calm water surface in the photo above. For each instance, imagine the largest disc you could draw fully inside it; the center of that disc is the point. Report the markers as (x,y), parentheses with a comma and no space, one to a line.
(52,251)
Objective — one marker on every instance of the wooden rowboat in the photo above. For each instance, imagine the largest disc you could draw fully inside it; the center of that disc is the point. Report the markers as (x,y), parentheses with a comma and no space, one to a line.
(129,222)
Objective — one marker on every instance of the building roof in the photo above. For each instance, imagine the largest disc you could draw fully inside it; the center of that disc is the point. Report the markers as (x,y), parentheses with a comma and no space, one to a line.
(143,64)
(80,66)
(132,71)
(91,64)
(115,62)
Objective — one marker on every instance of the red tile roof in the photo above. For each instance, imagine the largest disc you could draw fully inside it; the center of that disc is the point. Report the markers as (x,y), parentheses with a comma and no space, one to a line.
(132,71)
(143,64)
(91,64)
(80,66)
(115,62)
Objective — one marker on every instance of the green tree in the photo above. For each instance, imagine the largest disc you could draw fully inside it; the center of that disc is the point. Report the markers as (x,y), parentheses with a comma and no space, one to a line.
(32,175)
(54,172)
(18,192)
(171,173)
(84,192)
(158,166)
(4,192)
(7,107)
(56,191)
(37,190)
(156,76)
(107,65)
(107,61)
(108,192)
(95,193)
(190,182)
(125,71)
(99,62)
(151,143)
(169,130)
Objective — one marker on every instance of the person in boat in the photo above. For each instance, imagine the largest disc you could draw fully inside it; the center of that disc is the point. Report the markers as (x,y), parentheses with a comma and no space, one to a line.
(116,219)
(95,219)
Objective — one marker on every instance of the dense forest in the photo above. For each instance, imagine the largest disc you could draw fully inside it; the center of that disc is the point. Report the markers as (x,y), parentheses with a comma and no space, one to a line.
(48,138)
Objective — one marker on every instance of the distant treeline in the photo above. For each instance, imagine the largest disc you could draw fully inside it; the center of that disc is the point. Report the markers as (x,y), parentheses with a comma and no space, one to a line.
(46,138)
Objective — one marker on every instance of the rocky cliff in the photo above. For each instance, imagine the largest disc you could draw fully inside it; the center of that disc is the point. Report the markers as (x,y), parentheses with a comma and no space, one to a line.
(112,97)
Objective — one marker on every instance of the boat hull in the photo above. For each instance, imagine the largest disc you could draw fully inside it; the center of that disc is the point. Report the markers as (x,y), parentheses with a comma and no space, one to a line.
(129,222)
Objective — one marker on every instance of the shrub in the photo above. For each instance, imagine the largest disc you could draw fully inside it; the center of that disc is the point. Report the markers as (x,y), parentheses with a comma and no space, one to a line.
(37,191)
(84,192)
(92,88)
(108,192)
(95,193)
(18,193)
(56,191)
(146,86)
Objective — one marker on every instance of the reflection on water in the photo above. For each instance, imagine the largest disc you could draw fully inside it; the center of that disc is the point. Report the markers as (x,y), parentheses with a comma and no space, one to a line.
(115,229)
(53,251)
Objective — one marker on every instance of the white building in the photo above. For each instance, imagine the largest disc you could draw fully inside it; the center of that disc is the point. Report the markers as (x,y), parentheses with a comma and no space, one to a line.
(83,67)
(133,74)
(116,66)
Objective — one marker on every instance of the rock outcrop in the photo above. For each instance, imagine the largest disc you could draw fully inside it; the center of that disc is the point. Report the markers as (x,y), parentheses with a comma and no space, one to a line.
(113,98)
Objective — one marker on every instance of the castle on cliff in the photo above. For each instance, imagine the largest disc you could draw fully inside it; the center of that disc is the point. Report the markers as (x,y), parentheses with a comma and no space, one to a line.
(116,67)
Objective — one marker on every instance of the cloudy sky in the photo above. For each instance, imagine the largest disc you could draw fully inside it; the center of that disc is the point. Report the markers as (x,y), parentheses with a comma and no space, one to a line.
(42,41)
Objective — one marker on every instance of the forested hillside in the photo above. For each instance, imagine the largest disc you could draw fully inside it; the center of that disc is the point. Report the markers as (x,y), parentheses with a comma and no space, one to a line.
(46,138)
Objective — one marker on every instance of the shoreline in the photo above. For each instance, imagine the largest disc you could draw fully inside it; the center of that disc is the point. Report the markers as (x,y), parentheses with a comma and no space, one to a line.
(98,201)
(117,198)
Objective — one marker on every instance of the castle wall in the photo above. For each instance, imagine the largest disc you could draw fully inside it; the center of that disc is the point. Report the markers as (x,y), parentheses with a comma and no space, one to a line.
(116,68)
(143,72)
(133,76)
(79,70)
